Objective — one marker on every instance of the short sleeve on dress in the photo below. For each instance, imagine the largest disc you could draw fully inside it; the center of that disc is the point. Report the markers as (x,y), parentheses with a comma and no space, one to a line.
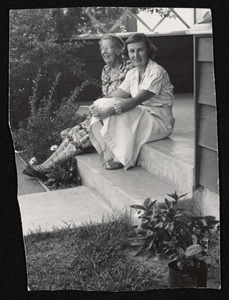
(125,85)
(153,83)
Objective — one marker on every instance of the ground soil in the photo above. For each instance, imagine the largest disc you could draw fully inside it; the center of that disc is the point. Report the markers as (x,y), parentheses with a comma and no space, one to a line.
(160,265)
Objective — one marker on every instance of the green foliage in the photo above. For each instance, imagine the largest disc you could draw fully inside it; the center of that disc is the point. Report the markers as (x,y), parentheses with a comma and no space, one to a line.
(190,258)
(210,240)
(46,120)
(170,230)
(164,229)
(64,175)
(34,43)
(46,39)
(107,16)
(165,12)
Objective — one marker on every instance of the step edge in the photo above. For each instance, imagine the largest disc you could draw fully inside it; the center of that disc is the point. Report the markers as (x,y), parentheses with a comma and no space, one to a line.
(130,200)
(158,149)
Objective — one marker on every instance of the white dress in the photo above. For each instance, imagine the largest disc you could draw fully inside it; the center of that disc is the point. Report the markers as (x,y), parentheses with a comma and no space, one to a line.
(123,135)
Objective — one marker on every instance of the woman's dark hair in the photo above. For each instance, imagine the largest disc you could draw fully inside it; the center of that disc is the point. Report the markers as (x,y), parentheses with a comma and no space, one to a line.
(141,37)
(117,41)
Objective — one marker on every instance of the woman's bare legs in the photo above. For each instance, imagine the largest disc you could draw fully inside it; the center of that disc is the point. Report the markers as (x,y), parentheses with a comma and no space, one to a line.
(58,156)
(54,155)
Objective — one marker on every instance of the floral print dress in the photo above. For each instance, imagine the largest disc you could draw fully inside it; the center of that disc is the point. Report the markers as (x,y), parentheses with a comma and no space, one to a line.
(76,140)
(109,84)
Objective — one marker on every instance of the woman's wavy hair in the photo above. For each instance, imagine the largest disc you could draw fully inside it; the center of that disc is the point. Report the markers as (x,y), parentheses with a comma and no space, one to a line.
(117,41)
(140,37)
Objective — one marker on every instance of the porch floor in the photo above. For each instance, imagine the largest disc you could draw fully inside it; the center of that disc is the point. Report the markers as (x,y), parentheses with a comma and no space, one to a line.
(180,144)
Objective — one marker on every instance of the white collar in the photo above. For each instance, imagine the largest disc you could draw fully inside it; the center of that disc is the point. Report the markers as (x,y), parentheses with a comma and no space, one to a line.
(151,65)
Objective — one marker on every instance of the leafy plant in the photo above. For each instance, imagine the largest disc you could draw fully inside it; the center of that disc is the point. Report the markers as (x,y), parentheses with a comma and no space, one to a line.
(170,230)
(190,258)
(206,232)
(64,175)
(211,244)
(41,39)
(46,120)
(165,12)
(164,230)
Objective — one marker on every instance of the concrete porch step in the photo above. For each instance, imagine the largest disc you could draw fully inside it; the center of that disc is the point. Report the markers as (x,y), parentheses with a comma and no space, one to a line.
(121,188)
(171,161)
(61,208)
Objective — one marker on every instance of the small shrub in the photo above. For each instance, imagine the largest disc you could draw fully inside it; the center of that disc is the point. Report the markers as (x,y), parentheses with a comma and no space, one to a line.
(163,230)
(170,230)
(42,128)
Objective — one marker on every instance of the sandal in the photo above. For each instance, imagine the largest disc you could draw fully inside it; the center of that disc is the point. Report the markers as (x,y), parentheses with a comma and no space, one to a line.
(35,171)
(112,165)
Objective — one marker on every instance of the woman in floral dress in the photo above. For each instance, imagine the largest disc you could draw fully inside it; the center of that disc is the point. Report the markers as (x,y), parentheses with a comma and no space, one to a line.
(76,140)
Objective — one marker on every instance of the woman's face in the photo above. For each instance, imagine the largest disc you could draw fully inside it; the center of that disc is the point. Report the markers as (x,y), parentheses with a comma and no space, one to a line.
(109,52)
(138,54)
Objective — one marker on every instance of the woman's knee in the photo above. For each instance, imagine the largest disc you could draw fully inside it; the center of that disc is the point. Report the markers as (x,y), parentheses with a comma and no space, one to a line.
(105,102)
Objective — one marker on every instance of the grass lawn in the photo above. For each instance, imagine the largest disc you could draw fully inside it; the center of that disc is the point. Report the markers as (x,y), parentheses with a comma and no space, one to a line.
(93,257)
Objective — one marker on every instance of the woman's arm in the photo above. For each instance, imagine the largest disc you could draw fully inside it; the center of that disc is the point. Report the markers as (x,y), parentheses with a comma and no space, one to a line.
(130,103)
(125,104)
(119,93)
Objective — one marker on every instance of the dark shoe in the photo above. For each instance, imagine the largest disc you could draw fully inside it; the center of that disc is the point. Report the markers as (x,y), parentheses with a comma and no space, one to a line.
(35,171)
(112,165)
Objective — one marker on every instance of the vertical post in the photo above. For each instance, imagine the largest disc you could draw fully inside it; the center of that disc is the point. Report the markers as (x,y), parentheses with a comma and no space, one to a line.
(196,113)
(130,23)
(194,16)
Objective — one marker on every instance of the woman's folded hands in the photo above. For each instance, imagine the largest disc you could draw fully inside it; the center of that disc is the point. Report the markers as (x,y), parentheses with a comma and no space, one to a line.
(100,112)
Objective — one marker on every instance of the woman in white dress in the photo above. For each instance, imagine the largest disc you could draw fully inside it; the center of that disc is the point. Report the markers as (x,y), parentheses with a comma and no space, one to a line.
(139,111)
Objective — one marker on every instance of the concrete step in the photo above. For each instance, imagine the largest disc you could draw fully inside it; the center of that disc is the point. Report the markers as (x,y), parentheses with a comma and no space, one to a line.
(58,209)
(121,188)
(171,160)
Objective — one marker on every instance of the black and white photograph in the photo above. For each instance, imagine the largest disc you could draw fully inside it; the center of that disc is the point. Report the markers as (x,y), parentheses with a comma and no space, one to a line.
(113,117)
